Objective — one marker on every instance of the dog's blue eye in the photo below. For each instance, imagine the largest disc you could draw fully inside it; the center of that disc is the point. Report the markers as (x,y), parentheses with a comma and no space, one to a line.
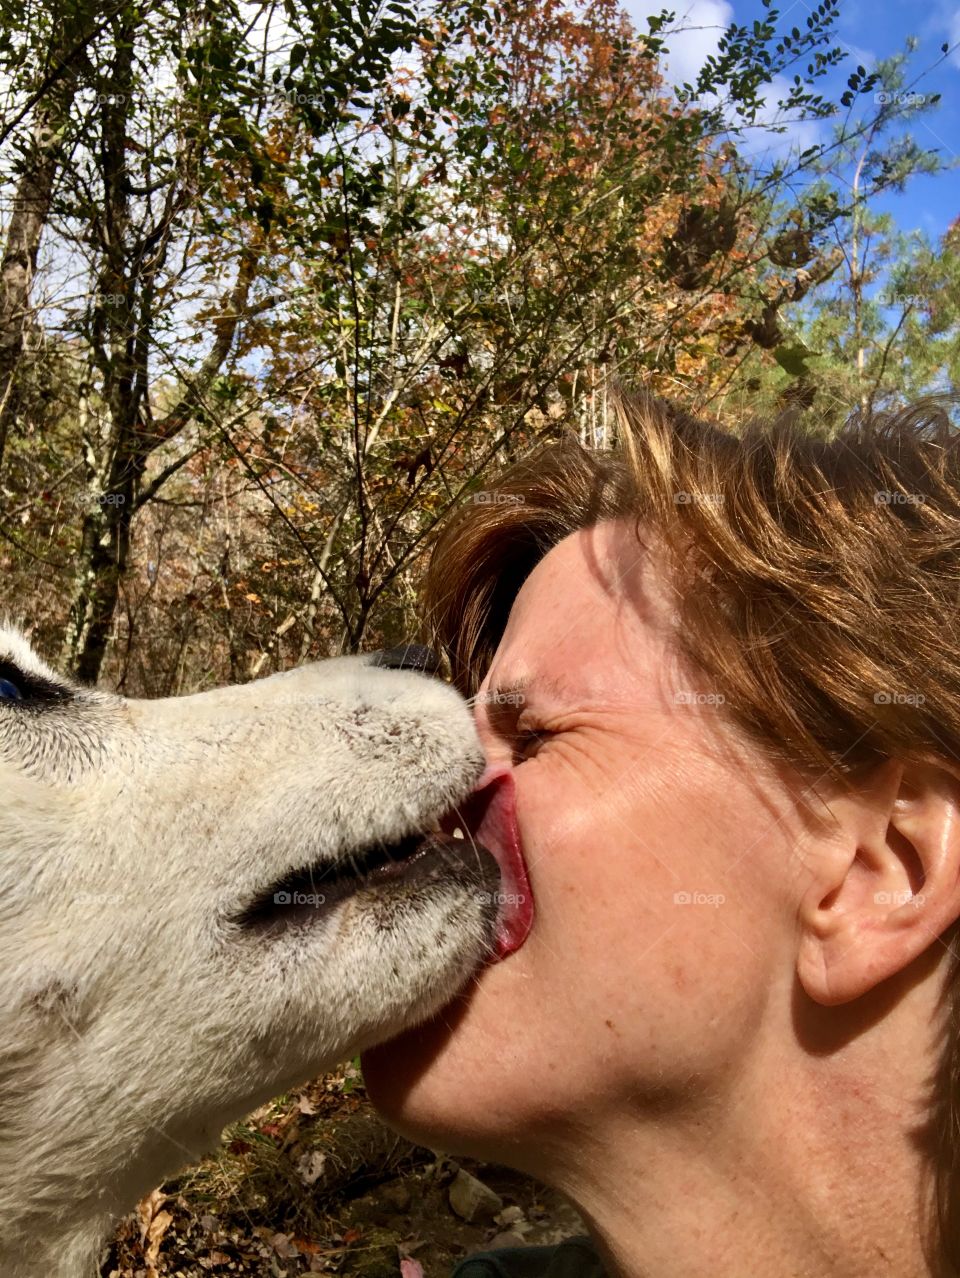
(9,691)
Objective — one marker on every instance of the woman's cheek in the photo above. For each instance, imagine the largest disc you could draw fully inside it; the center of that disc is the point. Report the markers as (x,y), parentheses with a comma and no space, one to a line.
(559,819)
(564,789)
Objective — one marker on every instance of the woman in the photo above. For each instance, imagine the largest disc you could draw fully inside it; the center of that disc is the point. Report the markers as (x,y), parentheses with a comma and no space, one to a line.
(723,674)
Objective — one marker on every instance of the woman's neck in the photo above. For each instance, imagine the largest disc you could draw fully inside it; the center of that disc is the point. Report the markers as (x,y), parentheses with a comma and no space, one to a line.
(802,1172)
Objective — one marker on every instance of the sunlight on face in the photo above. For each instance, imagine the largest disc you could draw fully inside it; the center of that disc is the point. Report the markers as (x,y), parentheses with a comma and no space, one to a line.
(658,849)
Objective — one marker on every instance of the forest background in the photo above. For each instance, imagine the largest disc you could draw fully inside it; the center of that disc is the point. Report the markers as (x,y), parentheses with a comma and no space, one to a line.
(281,283)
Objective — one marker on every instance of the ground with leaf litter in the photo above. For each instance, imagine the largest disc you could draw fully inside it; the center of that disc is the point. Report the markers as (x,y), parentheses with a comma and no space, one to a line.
(314,1183)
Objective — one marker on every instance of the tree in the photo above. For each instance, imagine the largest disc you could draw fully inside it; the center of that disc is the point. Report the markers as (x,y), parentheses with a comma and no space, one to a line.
(883,325)
(326,268)
(52,83)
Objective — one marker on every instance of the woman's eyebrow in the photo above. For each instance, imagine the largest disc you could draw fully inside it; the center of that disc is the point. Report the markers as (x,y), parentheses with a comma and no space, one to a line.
(514,688)
(517,690)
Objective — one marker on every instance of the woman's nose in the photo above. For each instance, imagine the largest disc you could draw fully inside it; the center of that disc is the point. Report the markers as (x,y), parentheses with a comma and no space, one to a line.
(408,656)
(496,747)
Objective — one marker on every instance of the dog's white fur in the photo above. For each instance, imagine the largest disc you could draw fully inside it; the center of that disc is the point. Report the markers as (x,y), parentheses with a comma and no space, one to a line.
(137,1016)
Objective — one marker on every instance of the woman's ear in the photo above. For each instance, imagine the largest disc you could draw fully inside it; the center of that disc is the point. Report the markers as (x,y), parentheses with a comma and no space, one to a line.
(884,884)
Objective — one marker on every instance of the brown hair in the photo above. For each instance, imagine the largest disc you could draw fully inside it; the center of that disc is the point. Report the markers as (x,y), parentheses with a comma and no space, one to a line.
(818,584)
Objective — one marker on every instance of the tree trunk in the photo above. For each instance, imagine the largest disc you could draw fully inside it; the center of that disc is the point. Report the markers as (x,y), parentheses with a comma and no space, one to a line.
(104,553)
(107,526)
(30,212)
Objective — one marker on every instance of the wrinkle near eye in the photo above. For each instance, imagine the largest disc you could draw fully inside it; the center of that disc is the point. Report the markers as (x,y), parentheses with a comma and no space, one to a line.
(503,718)
(526,740)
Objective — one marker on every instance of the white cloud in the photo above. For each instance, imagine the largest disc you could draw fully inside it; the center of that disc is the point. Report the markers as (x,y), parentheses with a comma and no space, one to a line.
(858,56)
(799,135)
(693,37)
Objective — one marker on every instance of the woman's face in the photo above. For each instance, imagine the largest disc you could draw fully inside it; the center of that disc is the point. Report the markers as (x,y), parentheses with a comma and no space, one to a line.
(658,849)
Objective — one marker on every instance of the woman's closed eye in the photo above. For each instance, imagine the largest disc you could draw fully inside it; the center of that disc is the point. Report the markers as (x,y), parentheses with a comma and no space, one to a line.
(513,720)
(526,740)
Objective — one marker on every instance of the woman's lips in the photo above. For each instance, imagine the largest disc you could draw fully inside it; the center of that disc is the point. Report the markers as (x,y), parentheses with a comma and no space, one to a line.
(490,816)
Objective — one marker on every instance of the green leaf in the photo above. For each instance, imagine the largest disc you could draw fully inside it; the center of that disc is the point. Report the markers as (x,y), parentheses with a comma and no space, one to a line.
(792,358)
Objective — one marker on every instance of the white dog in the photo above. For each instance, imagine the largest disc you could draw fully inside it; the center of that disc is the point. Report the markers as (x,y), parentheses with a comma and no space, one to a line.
(204,901)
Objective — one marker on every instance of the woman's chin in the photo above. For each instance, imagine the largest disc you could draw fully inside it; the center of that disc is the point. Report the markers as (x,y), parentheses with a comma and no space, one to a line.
(451,1082)
(409,1079)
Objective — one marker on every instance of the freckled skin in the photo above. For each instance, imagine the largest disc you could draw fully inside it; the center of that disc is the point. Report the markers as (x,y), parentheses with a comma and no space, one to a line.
(646,1050)
(625,796)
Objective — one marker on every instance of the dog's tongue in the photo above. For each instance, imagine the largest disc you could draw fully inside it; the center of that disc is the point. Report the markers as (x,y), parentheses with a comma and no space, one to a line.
(491,813)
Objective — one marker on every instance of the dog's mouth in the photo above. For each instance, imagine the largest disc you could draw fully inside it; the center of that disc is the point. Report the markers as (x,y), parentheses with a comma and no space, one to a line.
(307,895)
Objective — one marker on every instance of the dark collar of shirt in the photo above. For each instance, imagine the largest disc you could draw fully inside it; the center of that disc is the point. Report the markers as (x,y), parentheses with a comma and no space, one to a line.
(574,1258)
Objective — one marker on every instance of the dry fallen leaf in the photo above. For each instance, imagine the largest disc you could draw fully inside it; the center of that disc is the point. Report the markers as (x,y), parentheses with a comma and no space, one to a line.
(154,1223)
(306,1247)
(147,1208)
(283,1246)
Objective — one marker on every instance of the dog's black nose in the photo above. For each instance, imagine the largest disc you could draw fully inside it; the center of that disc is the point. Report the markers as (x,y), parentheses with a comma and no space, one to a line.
(408,656)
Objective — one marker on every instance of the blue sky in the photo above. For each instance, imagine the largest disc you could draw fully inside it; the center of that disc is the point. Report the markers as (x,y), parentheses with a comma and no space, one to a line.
(868,29)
